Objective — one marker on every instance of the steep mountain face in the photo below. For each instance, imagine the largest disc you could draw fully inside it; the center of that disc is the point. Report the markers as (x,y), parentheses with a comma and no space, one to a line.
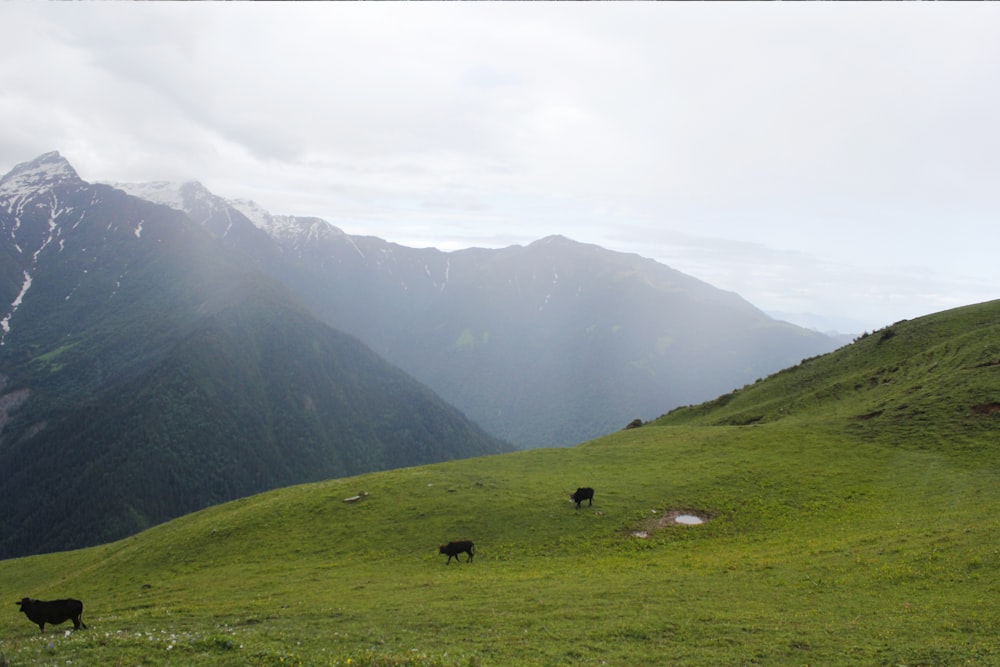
(147,370)
(549,344)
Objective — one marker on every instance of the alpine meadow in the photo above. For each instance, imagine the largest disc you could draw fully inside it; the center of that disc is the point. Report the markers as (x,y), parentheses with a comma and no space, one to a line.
(849,511)
(499,334)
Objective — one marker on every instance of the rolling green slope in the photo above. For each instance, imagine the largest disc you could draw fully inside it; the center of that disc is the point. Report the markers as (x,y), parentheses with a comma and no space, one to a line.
(936,376)
(851,508)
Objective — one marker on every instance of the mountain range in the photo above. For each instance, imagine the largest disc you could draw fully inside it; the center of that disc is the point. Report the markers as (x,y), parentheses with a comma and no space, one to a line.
(548,344)
(163,349)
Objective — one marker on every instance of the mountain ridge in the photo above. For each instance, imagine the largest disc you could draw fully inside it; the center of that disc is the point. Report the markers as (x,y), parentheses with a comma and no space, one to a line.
(147,370)
(516,337)
(45,170)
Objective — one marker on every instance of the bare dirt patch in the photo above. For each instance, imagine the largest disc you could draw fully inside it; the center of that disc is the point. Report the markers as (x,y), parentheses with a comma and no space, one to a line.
(672,517)
(986,408)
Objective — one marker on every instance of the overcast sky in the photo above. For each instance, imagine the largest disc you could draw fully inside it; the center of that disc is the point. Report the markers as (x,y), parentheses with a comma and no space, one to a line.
(841,159)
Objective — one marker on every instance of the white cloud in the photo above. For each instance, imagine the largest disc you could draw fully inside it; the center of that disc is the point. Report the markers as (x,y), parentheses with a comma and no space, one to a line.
(835,157)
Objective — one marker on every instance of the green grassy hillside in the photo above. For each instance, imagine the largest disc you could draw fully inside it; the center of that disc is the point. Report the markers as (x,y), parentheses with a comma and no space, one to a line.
(852,519)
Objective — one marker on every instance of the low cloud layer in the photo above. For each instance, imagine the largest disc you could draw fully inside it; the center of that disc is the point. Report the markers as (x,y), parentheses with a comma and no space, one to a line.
(833,158)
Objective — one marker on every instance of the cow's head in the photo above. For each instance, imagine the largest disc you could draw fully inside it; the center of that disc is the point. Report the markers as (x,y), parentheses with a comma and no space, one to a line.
(25,602)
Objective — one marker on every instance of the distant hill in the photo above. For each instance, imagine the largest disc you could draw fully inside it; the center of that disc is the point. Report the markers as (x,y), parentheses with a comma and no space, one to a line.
(926,377)
(841,329)
(146,370)
(547,344)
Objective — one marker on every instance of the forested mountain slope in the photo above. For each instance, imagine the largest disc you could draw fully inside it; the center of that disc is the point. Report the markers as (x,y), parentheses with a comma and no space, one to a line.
(146,371)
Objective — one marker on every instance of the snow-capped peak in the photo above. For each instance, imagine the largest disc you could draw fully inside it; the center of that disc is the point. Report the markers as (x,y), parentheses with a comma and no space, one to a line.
(284,227)
(197,201)
(255,213)
(167,193)
(44,171)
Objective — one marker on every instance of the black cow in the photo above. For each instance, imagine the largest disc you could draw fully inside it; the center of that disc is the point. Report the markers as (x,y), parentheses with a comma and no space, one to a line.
(581,494)
(455,548)
(52,611)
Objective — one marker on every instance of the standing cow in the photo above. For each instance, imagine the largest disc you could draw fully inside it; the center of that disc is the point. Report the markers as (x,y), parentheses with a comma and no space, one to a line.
(581,494)
(455,548)
(52,611)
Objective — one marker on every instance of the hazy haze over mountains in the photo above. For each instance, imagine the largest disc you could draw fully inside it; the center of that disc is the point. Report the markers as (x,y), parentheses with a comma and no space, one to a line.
(147,371)
(828,158)
(547,344)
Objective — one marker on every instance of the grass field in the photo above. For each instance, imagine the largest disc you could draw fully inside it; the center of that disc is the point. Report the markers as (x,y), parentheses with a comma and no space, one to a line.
(852,519)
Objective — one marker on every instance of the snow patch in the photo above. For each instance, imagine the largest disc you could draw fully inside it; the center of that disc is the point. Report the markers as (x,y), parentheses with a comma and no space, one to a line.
(290,228)
(166,193)
(43,171)
(253,211)
(5,322)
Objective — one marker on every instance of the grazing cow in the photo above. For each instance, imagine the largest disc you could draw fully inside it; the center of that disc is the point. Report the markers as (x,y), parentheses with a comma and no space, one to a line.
(455,548)
(53,611)
(581,494)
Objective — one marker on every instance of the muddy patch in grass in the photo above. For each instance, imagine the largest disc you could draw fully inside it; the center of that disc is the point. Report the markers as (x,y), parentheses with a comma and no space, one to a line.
(672,517)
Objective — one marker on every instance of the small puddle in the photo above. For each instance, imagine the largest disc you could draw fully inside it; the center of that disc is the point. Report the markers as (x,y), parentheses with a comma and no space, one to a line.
(682,517)
(688,519)
(670,517)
